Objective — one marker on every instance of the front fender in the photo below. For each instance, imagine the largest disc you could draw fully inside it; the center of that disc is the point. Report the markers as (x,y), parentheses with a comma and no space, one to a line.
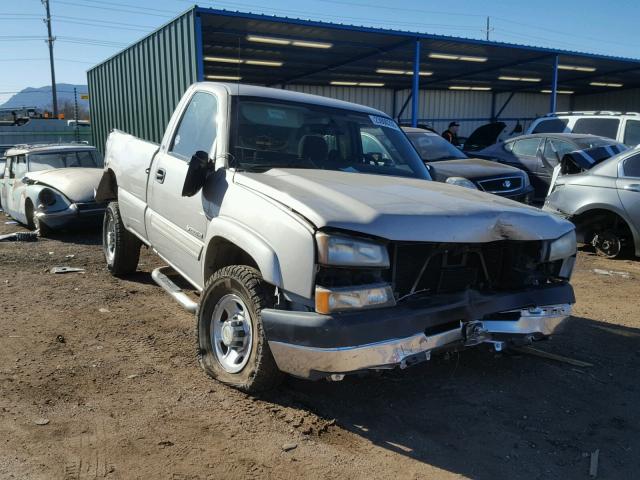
(249,241)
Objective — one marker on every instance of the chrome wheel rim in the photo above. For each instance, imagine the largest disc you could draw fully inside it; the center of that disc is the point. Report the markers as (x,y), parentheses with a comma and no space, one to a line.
(109,239)
(231,333)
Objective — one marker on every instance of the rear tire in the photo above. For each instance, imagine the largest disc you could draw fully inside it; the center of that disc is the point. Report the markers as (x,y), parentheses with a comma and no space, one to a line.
(610,244)
(121,248)
(232,346)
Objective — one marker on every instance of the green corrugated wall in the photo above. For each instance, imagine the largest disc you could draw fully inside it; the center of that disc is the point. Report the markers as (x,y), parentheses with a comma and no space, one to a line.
(137,89)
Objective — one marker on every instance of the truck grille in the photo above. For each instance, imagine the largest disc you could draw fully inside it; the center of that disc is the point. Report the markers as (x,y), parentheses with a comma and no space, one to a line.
(453,267)
(501,185)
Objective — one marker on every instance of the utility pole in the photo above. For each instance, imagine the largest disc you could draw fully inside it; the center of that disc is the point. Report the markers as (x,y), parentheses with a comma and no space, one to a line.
(488,29)
(75,113)
(50,40)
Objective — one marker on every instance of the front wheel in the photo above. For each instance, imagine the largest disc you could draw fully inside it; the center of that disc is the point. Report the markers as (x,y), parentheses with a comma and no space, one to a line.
(232,346)
(121,248)
(33,222)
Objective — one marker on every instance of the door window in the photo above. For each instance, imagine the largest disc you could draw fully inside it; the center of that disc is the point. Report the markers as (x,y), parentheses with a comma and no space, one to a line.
(604,127)
(197,129)
(9,167)
(18,167)
(632,133)
(631,167)
(554,150)
(527,147)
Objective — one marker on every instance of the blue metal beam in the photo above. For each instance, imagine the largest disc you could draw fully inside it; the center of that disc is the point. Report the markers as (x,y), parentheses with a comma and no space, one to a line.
(404,105)
(554,86)
(415,90)
(199,55)
(506,102)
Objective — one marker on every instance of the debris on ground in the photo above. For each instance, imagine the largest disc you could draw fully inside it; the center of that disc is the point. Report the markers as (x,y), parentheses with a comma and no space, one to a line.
(69,256)
(41,421)
(165,443)
(19,237)
(67,270)
(289,446)
(103,310)
(611,273)
(60,339)
(593,464)
(10,222)
(552,356)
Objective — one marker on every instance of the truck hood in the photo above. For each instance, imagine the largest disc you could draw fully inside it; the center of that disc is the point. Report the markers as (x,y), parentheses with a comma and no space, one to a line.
(77,184)
(399,208)
(471,168)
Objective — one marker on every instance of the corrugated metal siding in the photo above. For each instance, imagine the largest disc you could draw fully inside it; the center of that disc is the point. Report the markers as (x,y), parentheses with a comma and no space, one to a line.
(379,98)
(621,100)
(137,90)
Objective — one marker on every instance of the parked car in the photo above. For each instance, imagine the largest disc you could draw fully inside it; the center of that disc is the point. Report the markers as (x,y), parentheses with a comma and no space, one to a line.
(48,187)
(315,253)
(538,155)
(447,163)
(601,198)
(623,127)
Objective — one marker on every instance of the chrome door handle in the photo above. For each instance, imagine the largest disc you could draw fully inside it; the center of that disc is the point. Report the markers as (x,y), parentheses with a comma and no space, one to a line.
(633,187)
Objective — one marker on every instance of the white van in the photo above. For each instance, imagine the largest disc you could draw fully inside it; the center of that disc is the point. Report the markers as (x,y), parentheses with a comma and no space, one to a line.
(623,127)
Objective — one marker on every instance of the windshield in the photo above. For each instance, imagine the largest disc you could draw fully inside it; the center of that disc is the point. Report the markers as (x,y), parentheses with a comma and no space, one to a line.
(274,134)
(66,159)
(433,148)
(591,142)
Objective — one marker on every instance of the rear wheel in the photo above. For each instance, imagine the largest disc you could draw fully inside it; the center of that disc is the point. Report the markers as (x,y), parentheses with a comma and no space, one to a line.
(232,346)
(609,244)
(121,248)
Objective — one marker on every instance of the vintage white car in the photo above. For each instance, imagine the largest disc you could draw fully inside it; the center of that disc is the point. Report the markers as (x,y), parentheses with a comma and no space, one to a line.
(48,187)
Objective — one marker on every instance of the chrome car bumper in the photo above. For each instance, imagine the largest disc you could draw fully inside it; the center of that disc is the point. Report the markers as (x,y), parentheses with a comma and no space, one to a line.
(76,213)
(312,362)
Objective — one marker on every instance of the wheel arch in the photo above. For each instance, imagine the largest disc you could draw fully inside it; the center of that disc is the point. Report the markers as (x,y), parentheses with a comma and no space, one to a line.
(591,216)
(108,187)
(230,243)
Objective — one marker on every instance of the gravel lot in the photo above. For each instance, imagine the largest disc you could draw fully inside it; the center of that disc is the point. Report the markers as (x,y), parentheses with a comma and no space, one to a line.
(98,378)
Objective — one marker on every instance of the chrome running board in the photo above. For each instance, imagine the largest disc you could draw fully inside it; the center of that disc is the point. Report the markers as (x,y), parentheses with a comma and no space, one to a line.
(159,275)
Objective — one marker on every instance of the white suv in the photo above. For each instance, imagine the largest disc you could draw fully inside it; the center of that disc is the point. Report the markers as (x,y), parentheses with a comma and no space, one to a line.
(623,127)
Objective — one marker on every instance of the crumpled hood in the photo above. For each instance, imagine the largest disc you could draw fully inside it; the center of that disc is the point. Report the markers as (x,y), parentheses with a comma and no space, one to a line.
(77,184)
(399,208)
(471,168)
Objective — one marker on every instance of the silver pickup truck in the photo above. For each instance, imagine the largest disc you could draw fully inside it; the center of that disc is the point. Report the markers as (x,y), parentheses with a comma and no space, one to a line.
(318,256)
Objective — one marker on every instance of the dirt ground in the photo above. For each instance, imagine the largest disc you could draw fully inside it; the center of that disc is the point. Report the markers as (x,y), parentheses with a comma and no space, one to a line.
(108,366)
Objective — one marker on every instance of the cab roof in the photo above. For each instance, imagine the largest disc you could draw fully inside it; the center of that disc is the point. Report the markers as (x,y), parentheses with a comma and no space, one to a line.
(45,148)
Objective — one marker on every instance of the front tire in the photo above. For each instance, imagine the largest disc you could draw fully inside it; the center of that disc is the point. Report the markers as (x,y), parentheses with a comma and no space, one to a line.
(121,248)
(232,346)
(33,222)
(609,244)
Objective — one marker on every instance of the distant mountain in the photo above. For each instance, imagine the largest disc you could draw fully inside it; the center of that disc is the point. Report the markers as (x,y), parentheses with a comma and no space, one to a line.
(41,97)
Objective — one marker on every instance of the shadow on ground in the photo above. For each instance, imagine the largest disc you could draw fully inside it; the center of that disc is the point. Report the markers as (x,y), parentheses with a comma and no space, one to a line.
(486,415)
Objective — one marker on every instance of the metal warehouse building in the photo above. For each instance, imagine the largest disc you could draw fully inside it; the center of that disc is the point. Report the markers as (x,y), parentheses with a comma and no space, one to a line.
(414,77)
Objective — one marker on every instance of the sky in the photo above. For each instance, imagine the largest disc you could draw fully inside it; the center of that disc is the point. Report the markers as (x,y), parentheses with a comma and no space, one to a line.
(89,31)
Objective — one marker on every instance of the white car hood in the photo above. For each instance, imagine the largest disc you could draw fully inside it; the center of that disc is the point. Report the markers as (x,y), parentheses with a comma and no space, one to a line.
(399,208)
(77,184)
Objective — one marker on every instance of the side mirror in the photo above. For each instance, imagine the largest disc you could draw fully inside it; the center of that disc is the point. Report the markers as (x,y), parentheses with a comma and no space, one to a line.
(196,174)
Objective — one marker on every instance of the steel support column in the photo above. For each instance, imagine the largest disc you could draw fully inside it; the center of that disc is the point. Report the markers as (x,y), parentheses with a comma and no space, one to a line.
(199,54)
(415,90)
(554,87)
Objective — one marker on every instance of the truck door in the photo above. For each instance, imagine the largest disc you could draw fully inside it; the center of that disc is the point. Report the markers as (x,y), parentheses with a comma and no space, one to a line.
(177,225)
(628,184)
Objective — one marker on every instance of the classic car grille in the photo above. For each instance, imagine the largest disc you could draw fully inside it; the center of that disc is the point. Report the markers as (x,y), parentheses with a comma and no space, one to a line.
(454,267)
(501,185)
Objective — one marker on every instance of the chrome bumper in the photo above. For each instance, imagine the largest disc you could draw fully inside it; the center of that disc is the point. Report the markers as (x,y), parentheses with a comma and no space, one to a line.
(311,362)
(69,215)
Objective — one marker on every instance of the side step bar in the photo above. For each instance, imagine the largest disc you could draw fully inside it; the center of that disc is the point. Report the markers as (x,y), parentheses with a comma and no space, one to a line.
(159,275)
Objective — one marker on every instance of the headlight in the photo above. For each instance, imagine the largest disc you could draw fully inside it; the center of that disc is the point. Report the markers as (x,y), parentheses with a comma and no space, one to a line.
(46,197)
(350,252)
(461,182)
(563,247)
(353,298)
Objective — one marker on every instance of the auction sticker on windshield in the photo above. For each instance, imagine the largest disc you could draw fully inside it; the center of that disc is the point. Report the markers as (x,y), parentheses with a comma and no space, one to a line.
(384,122)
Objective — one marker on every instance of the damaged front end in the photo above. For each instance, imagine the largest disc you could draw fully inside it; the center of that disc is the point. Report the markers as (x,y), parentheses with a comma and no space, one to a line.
(403,301)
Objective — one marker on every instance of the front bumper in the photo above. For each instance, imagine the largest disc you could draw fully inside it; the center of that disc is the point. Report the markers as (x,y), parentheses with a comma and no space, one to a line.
(312,346)
(524,195)
(75,214)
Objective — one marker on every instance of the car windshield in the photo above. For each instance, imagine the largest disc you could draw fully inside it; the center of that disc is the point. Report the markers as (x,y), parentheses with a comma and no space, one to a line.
(65,159)
(433,148)
(592,142)
(277,134)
